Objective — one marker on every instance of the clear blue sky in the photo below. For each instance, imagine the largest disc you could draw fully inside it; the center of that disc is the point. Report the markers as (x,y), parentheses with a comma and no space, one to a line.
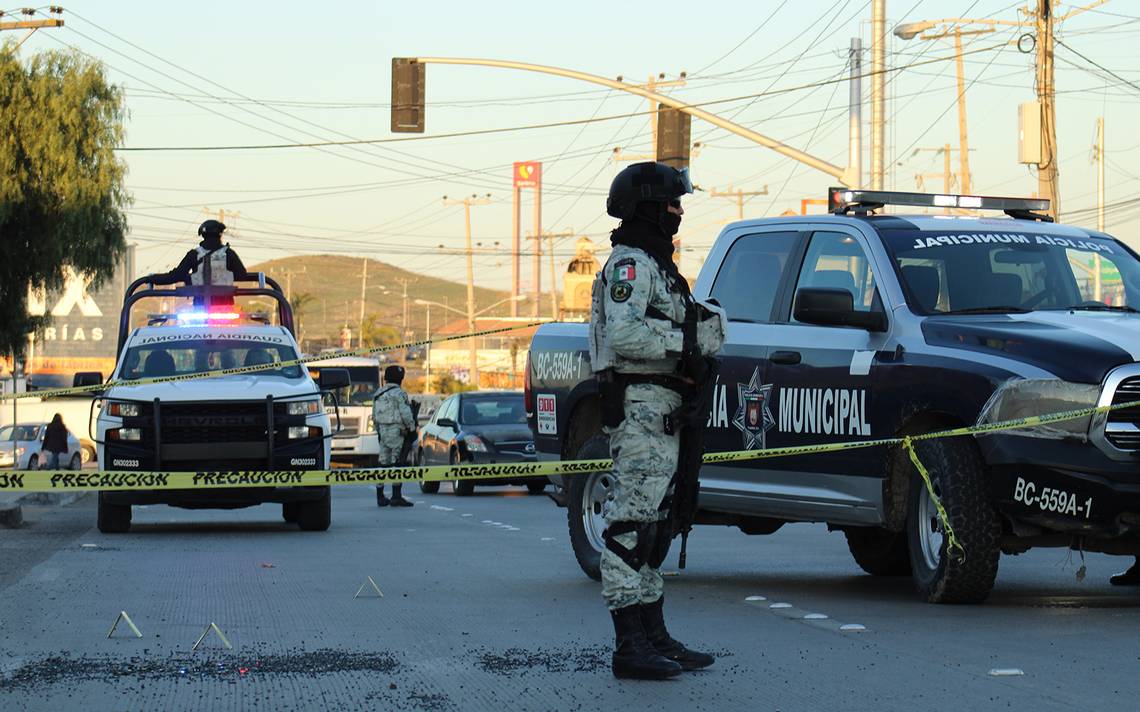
(225,73)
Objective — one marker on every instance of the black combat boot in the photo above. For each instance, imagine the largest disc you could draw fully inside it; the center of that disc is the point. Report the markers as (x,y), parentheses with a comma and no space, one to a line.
(398,497)
(1131,577)
(634,657)
(381,500)
(653,621)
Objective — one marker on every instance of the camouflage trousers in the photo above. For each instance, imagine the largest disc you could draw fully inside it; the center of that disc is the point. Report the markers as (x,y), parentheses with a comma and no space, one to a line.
(645,459)
(391,442)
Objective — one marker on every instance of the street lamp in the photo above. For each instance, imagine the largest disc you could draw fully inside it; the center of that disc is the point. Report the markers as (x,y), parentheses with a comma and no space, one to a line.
(473,356)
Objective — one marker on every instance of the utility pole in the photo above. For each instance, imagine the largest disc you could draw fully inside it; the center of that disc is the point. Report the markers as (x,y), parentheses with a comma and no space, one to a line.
(878,91)
(473,353)
(363,286)
(737,196)
(963,143)
(855,111)
(1099,152)
(405,281)
(31,25)
(1047,174)
(427,348)
(946,175)
(654,83)
(549,236)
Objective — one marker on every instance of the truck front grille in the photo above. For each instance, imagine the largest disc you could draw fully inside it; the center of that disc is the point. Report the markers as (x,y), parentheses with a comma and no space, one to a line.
(191,423)
(1122,427)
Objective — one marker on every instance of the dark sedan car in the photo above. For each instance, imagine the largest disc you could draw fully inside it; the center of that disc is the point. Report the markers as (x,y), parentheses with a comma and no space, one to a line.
(480,427)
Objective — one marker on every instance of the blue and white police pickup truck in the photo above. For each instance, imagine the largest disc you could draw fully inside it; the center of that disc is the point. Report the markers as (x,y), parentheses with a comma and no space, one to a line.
(246,428)
(854,326)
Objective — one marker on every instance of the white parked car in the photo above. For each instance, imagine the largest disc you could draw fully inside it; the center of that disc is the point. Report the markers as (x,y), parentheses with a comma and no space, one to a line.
(28,441)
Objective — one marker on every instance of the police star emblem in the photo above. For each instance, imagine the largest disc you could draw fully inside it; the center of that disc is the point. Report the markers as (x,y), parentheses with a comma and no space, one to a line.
(753,417)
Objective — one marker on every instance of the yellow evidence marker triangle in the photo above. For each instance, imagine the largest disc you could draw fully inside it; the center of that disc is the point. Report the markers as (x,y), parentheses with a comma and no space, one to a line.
(124,617)
(218,631)
(374,588)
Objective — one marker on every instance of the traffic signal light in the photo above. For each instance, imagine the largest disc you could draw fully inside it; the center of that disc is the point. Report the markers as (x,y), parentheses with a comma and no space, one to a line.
(673,136)
(407,95)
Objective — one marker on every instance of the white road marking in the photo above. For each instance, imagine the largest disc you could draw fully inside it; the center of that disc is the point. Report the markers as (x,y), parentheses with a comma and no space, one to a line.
(780,605)
(756,598)
(815,617)
(852,628)
(547,538)
(1006,672)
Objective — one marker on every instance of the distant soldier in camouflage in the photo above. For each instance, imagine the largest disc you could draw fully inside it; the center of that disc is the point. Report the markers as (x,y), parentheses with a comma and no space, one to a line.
(392,416)
(650,344)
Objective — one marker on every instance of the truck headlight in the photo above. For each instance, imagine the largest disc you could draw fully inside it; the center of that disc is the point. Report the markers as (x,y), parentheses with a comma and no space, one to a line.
(307,407)
(133,434)
(369,425)
(296,432)
(123,409)
(474,443)
(1024,398)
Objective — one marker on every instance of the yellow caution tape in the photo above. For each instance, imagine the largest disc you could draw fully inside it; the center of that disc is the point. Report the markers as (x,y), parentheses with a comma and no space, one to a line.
(70,480)
(366,351)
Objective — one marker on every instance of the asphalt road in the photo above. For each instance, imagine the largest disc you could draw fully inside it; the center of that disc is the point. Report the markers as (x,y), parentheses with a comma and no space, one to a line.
(485,608)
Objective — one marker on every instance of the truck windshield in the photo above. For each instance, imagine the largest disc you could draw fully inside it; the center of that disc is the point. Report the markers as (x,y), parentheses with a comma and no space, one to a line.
(179,357)
(955,272)
(364,381)
(22,432)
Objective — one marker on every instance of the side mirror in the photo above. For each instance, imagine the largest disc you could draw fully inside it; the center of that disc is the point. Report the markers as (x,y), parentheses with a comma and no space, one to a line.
(835,307)
(333,378)
(447,423)
(85,379)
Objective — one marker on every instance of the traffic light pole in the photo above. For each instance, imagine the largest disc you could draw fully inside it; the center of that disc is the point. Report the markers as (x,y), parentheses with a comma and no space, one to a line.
(841,174)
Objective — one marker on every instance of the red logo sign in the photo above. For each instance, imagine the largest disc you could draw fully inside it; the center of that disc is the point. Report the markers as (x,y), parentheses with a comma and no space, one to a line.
(527,174)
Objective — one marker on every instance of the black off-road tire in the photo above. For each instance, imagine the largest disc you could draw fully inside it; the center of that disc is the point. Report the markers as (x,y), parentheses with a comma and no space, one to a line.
(113,518)
(959,477)
(76,462)
(537,487)
(290,511)
(587,552)
(316,515)
(879,552)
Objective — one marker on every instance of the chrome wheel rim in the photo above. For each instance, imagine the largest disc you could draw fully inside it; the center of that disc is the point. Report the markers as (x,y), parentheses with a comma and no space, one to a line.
(594,495)
(931,535)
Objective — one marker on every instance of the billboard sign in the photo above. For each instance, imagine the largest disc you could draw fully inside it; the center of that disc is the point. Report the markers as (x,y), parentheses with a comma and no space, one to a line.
(527,174)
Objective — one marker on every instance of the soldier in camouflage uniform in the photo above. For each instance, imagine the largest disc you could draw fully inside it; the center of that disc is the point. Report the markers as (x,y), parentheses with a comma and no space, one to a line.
(392,416)
(649,345)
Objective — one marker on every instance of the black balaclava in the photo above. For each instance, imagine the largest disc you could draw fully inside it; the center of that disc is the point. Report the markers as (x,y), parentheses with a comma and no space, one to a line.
(651,228)
(211,240)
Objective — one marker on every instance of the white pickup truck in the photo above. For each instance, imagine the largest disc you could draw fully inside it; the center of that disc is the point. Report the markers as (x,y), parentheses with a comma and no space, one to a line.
(238,426)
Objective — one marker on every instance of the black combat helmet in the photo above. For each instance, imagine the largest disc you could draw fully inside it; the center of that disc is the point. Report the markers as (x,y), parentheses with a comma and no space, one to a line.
(394,374)
(211,227)
(646,182)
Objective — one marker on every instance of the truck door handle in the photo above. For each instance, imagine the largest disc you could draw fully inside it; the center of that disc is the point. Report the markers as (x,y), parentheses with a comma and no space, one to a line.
(785,357)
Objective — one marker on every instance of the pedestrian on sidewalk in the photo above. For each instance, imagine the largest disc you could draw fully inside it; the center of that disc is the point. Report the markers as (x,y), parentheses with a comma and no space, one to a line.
(392,416)
(54,443)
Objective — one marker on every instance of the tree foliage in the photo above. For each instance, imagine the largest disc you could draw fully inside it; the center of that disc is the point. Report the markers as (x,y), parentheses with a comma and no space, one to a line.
(62,196)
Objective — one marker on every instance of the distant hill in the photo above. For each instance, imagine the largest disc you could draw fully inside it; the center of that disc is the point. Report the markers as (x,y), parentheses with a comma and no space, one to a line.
(334,281)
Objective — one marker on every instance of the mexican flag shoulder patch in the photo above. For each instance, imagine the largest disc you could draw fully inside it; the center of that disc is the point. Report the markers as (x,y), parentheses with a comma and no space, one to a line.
(625,271)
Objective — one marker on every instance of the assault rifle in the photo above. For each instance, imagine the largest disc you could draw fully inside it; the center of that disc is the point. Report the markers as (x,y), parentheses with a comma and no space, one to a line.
(692,417)
(410,438)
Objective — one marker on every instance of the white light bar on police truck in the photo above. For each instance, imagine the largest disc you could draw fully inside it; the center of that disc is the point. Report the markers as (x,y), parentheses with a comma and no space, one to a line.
(842,200)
